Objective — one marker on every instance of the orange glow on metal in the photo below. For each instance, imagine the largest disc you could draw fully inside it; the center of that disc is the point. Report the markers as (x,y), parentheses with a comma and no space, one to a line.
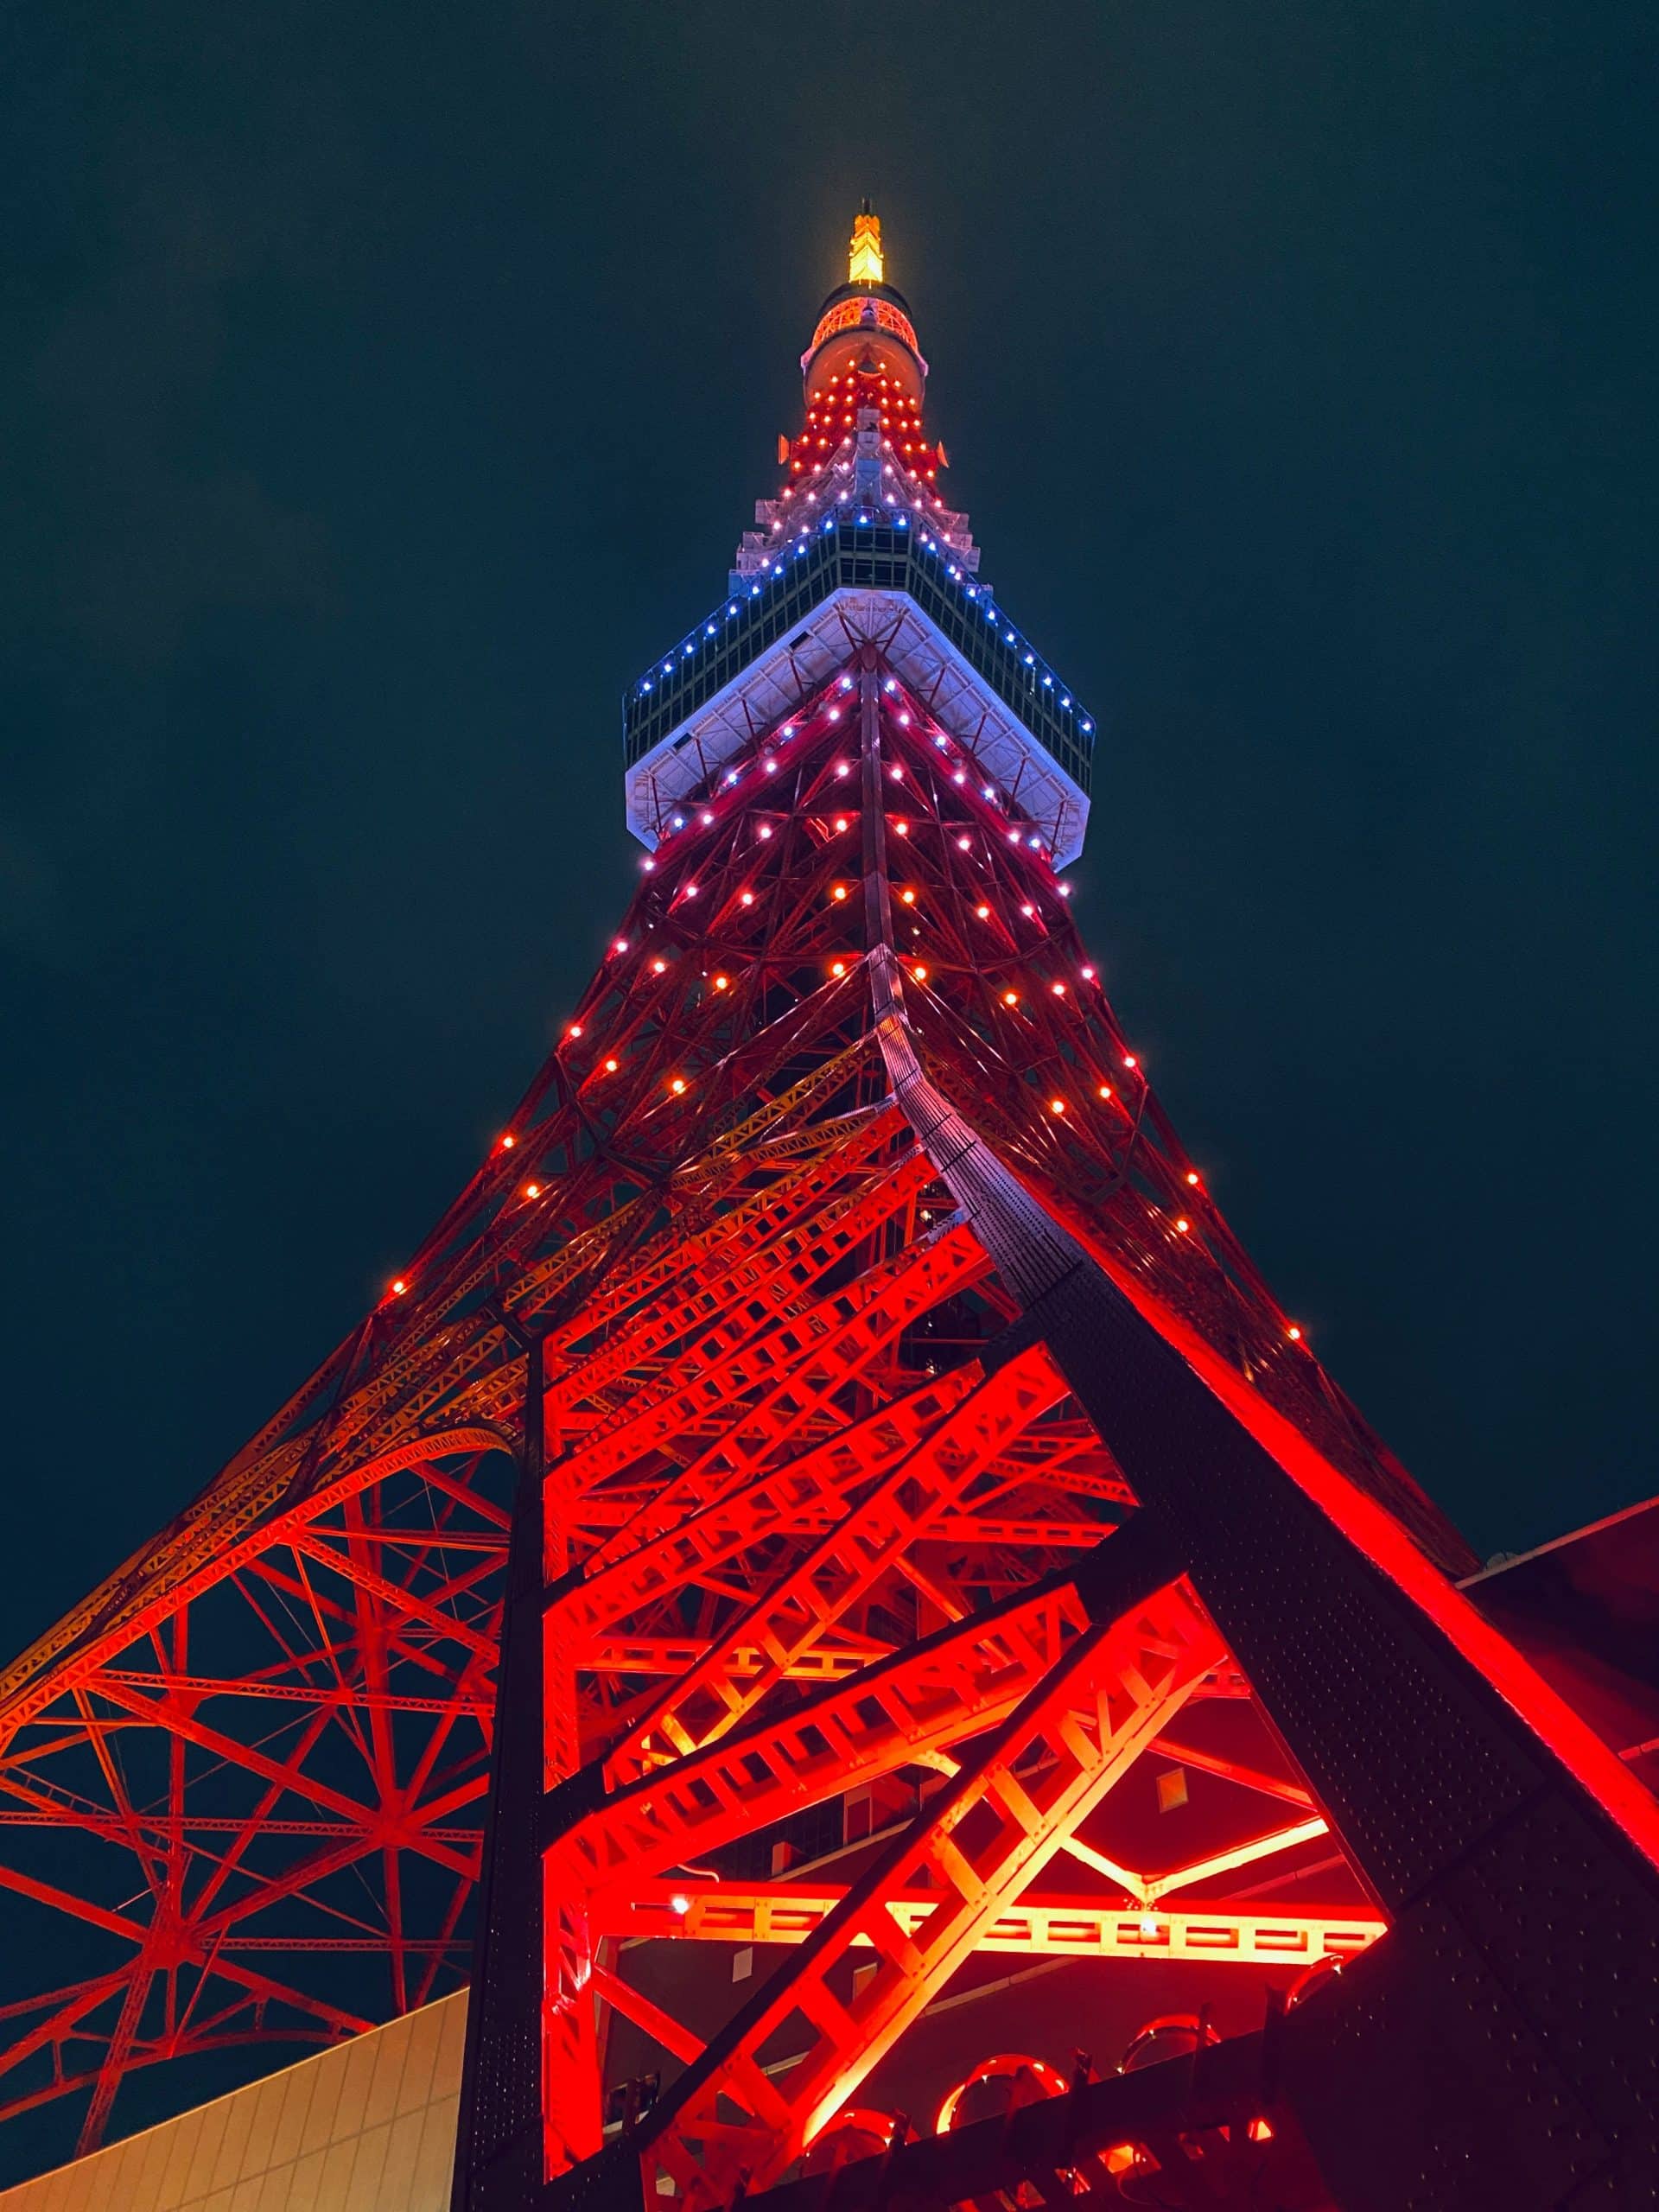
(864,255)
(1051,2083)
(1244,1854)
(1040,1925)
(853,314)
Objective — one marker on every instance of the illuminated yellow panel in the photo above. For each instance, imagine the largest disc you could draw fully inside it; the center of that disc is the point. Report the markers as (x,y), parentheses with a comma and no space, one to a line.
(864,261)
(362,2126)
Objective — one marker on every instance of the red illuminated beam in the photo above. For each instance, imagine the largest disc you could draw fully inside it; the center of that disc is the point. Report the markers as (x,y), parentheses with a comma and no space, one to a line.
(726,2126)
(1042,1925)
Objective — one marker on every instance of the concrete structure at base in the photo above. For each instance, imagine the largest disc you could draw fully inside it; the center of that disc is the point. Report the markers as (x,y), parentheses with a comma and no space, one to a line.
(367,2127)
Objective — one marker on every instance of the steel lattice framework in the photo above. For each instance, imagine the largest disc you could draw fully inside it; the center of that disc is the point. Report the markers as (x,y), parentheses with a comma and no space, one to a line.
(840,1413)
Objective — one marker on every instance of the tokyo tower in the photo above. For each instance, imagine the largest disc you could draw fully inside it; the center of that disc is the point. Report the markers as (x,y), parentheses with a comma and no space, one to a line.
(960,1707)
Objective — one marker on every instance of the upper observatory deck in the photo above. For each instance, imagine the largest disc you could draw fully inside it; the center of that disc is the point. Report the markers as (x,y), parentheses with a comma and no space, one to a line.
(859,548)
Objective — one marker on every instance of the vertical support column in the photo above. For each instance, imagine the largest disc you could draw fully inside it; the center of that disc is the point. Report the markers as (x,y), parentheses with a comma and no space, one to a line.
(498,2137)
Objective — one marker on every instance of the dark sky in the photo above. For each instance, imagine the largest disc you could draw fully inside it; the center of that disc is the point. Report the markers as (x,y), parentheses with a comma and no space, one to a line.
(383,387)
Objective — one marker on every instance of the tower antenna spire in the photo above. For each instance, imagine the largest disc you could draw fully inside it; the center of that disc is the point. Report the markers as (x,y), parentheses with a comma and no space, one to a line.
(865,259)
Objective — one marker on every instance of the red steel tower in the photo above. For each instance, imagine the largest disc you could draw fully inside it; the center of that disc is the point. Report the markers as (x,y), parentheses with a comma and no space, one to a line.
(945,1612)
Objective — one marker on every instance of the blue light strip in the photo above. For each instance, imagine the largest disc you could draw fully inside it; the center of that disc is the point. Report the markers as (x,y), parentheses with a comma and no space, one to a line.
(845,543)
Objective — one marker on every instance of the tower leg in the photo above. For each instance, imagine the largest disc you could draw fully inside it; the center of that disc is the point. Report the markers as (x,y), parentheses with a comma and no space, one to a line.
(498,2132)
(1517,1976)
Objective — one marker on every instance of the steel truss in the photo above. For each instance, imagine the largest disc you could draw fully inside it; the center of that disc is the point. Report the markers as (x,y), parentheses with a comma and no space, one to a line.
(779,1351)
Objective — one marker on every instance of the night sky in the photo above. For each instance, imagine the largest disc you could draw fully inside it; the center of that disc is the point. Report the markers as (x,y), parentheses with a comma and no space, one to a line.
(385,386)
